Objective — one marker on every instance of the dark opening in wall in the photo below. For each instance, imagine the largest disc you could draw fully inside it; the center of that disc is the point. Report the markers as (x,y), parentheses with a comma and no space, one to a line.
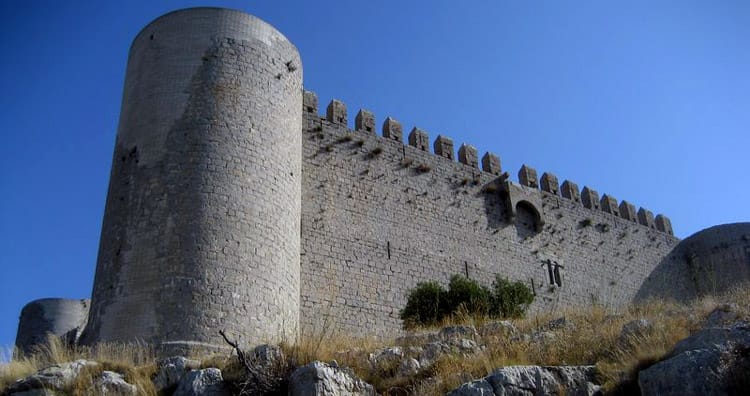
(528,219)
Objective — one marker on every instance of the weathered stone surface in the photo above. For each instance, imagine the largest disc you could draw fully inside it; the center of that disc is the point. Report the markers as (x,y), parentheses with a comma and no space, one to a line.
(714,361)
(550,183)
(60,317)
(111,383)
(336,112)
(393,130)
(527,177)
(420,139)
(310,102)
(590,198)
(502,328)
(491,163)
(534,380)
(321,379)
(206,382)
(451,333)
(56,377)
(408,367)
(467,155)
(364,121)
(570,191)
(171,370)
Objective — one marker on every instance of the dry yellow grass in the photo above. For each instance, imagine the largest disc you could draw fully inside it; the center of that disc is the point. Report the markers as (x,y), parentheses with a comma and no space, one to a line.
(591,337)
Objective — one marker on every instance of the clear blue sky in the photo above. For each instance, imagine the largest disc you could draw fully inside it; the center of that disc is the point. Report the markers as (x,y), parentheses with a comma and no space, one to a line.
(647,102)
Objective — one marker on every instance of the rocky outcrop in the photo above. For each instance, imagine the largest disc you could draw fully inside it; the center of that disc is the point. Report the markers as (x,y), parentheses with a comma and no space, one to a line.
(321,379)
(534,381)
(206,382)
(170,372)
(713,361)
(54,378)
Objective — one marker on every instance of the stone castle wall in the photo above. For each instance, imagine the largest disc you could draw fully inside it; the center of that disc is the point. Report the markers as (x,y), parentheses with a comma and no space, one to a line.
(379,216)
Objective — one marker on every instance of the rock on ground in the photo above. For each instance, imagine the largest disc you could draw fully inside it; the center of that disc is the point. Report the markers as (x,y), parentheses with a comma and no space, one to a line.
(111,383)
(321,379)
(713,361)
(55,377)
(206,382)
(533,381)
(171,370)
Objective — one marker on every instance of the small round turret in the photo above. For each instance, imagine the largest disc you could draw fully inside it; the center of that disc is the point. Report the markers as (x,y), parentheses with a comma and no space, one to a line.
(56,316)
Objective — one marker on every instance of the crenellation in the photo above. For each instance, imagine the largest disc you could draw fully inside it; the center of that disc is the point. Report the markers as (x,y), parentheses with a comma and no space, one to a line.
(392,130)
(491,163)
(663,224)
(310,102)
(627,211)
(590,198)
(420,139)
(609,204)
(646,218)
(570,191)
(443,147)
(550,184)
(527,177)
(336,112)
(467,155)
(364,121)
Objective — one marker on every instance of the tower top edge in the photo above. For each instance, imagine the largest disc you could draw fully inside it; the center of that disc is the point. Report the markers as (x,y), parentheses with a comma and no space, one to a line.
(195,11)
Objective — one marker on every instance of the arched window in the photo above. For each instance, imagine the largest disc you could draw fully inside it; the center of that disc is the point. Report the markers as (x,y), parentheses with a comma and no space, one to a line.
(528,219)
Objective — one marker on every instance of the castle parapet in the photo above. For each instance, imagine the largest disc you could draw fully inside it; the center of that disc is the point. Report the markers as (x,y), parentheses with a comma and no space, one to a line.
(420,139)
(527,177)
(646,217)
(310,102)
(443,147)
(663,224)
(336,112)
(467,155)
(491,163)
(590,198)
(392,130)
(627,211)
(570,191)
(609,205)
(364,121)
(550,184)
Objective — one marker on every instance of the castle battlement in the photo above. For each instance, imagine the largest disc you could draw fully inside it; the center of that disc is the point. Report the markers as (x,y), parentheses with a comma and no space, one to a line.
(443,146)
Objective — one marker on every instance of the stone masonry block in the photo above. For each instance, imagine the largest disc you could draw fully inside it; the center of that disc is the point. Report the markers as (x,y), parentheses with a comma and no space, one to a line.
(392,129)
(444,147)
(467,154)
(336,112)
(419,139)
(663,224)
(310,102)
(550,184)
(364,121)
(646,217)
(491,163)
(570,191)
(590,198)
(627,211)
(609,205)
(527,177)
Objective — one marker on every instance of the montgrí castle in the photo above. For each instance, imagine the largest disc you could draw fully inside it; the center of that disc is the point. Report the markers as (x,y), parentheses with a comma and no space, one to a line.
(233,205)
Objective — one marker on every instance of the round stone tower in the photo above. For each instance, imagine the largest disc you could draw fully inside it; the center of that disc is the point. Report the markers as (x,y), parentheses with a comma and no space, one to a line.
(201,229)
(57,316)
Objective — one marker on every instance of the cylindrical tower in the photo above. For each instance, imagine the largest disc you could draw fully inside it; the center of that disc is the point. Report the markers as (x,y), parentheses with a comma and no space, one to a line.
(201,229)
(57,316)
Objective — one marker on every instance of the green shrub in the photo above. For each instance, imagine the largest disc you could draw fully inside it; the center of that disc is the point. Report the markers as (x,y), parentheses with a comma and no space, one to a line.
(511,299)
(426,304)
(469,294)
